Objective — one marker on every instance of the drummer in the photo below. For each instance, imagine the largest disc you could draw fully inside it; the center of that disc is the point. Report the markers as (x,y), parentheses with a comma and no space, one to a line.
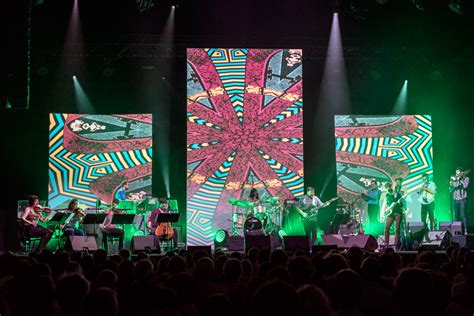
(254,202)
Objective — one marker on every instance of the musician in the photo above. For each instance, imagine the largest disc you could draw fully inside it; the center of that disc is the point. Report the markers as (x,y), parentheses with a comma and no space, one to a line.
(372,197)
(427,199)
(394,199)
(309,201)
(458,185)
(109,229)
(70,227)
(122,192)
(152,220)
(31,215)
(254,202)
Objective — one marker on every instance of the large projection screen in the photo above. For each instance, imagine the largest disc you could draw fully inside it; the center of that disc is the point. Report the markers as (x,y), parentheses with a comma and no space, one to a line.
(90,156)
(383,148)
(245,129)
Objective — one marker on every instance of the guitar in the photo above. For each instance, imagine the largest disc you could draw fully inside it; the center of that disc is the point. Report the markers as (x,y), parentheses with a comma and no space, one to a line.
(389,209)
(312,211)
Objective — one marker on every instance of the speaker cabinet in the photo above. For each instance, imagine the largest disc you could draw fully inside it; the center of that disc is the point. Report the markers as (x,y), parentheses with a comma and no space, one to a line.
(236,243)
(292,243)
(259,242)
(145,243)
(415,227)
(464,241)
(335,240)
(83,243)
(366,242)
(454,228)
(439,240)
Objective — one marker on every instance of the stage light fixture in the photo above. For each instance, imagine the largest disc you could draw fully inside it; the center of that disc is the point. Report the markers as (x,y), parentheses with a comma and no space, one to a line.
(282,233)
(456,6)
(220,238)
(139,233)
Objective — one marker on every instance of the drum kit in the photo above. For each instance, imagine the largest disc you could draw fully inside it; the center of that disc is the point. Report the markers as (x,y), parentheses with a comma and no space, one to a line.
(256,218)
(347,220)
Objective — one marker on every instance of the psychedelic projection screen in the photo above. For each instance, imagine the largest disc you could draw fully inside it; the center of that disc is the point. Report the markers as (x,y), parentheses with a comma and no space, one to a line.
(245,129)
(90,156)
(383,148)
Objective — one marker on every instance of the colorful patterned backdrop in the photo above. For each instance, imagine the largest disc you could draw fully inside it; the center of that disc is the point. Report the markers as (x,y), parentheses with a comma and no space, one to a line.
(91,155)
(245,125)
(383,148)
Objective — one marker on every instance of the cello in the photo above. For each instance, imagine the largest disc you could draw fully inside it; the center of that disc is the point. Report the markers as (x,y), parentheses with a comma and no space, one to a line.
(164,230)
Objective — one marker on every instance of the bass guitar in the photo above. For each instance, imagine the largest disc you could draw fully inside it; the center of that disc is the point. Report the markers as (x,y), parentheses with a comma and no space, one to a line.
(312,212)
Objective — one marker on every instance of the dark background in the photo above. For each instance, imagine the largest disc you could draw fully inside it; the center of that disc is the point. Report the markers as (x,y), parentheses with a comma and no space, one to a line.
(383,46)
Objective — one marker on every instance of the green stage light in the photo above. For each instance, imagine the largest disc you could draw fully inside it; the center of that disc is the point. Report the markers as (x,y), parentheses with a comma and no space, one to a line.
(282,233)
(220,238)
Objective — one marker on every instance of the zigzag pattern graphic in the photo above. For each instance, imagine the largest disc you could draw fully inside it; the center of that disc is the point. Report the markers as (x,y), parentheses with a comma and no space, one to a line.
(288,140)
(294,109)
(201,145)
(290,179)
(230,66)
(70,174)
(413,149)
(195,119)
(203,204)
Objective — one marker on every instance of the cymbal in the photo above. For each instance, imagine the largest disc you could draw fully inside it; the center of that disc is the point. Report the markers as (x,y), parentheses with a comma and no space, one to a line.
(238,203)
(273,199)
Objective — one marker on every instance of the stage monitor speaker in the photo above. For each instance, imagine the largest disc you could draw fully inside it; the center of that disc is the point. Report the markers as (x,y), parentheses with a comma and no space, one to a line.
(292,243)
(464,241)
(455,228)
(334,240)
(83,243)
(236,243)
(439,240)
(193,249)
(364,241)
(149,243)
(415,227)
(259,242)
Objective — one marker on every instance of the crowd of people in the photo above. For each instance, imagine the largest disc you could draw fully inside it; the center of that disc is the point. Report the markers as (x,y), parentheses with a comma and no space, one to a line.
(259,282)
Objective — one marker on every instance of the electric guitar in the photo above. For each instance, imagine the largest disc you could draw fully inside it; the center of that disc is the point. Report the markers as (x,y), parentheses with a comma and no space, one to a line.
(389,209)
(312,212)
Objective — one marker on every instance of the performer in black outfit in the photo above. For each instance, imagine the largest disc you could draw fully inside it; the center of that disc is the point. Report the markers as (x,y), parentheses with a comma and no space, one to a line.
(396,205)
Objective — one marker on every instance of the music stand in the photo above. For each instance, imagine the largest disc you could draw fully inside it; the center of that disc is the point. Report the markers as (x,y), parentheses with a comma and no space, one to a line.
(58,219)
(167,218)
(123,219)
(94,219)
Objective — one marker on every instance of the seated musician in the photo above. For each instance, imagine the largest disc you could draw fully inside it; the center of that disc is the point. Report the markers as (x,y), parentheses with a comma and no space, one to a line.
(255,204)
(152,223)
(109,229)
(30,218)
(70,227)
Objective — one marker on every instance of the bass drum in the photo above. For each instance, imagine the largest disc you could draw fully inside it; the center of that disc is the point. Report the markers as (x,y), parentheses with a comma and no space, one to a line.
(253,226)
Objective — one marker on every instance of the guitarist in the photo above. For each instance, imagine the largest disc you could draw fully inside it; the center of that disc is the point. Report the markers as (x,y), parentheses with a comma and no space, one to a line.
(396,203)
(427,199)
(308,202)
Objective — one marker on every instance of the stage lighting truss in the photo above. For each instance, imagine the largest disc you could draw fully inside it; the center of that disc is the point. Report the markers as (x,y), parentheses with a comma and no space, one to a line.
(456,6)
(145,5)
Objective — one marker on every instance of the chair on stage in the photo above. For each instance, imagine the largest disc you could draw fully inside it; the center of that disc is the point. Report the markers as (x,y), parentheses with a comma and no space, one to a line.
(26,243)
